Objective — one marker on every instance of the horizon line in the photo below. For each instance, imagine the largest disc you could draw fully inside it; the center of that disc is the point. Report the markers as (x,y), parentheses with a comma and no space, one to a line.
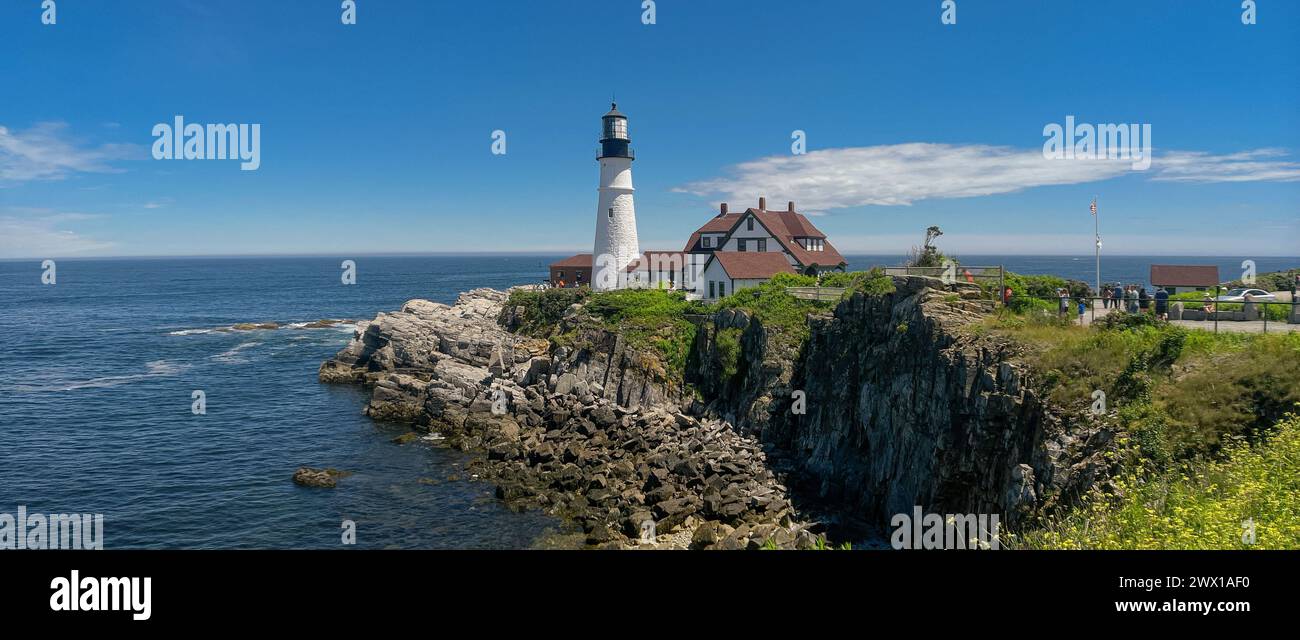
(489,254)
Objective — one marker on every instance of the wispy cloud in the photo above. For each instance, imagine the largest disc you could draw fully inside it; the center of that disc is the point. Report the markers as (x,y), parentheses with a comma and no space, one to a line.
(47,151)
(40,233)
(902,174)
(1247,166)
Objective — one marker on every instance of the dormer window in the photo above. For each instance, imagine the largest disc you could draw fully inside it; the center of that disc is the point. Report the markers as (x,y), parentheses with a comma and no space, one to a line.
(749,223)
(706,242)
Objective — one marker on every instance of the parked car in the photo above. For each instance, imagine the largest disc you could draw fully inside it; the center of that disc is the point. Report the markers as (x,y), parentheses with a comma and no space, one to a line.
(1239,295)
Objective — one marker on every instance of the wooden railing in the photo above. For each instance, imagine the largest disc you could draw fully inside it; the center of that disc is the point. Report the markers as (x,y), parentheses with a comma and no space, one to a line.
(825,294)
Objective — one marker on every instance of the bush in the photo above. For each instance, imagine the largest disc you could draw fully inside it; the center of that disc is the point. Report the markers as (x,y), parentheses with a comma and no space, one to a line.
(784,316)
(544,309)
(728,346)
(872,282)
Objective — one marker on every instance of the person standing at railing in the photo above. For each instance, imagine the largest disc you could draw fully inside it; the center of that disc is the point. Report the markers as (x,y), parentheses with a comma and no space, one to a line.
(1083,308)
(1131,299)
(1063,304)
(1162,304)
(1116,296)
(1144,299)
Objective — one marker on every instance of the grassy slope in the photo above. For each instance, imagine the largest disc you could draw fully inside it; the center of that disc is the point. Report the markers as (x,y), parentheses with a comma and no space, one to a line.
(1207,447)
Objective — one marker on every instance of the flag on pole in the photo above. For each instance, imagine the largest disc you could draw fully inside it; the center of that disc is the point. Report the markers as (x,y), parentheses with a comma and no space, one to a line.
(1093,208)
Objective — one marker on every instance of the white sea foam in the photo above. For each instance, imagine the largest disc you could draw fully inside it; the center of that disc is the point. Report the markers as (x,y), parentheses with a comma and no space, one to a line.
(232,355)
(155,369)
(190,332)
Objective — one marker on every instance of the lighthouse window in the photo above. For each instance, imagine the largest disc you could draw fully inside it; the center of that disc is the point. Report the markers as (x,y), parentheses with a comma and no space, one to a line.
(611,213)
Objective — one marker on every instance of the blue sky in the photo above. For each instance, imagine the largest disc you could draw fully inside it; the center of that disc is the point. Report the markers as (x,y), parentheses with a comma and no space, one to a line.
(376,137)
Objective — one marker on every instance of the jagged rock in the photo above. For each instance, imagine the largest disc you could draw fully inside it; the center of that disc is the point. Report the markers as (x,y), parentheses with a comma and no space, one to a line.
(931,415)
(320,478)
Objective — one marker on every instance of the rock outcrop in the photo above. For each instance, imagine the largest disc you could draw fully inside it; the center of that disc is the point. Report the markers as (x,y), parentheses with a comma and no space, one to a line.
(591,432)
(904,408)
(890,402)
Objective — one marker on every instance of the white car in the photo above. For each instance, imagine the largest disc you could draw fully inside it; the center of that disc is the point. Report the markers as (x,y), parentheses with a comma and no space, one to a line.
(1239,295)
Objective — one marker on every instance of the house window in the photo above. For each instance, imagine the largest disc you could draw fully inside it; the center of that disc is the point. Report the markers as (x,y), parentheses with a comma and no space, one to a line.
(707,242)
(712,289)
(749,223)
(722,289)
(740,245)
(561,274)
(762,245)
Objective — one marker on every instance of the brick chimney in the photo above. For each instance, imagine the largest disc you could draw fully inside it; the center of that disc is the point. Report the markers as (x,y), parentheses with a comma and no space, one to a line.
(722,210)
(791,209)
(762,203)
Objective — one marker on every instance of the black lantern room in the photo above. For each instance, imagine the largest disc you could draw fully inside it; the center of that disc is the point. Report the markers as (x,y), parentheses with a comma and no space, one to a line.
(614,141)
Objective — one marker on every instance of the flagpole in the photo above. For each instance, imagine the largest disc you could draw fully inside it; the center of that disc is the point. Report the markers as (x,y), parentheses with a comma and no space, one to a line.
(1096,230)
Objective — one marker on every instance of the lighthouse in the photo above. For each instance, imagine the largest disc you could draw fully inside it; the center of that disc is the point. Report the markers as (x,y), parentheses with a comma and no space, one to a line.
(616,244)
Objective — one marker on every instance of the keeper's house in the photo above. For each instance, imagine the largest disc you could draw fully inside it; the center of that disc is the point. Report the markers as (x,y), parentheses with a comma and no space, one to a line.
(730,252)
(746,249)
(1180,278)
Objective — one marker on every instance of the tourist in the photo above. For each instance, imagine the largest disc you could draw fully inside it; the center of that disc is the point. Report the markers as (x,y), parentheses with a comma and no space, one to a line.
(1162,303)
(1006,297)
(1131,298)
(1063,304)
(1083,307)
(1144,300)
(1117,296)
(1208,306)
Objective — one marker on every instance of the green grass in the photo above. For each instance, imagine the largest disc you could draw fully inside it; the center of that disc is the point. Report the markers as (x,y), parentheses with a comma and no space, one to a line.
(784,316)
(1193,506)
(650,320)
(544,309)
(1181,391)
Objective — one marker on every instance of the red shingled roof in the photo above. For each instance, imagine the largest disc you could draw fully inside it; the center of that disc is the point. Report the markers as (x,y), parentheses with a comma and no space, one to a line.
(579,260)
(718,224)
(1180,275)
(675,260)
(785,226)
(747,265)
(788,225)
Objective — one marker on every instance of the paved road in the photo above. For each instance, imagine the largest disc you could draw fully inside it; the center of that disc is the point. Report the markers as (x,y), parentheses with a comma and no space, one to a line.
(1254,326)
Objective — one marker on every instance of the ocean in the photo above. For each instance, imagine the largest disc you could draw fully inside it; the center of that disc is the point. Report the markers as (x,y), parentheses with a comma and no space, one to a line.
(95,399)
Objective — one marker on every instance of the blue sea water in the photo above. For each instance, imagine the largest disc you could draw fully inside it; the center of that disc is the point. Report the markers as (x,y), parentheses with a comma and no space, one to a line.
(97,374)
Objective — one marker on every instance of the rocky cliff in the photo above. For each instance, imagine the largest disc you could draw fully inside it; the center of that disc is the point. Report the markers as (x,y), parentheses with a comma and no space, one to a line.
(889,402)
(589,431)
(903,406)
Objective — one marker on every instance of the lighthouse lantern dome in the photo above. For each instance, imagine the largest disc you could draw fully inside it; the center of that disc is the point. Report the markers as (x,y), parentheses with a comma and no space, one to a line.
(615,125)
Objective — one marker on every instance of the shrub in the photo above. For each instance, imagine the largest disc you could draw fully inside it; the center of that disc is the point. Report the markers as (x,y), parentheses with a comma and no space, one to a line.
(544,309)
(728,346)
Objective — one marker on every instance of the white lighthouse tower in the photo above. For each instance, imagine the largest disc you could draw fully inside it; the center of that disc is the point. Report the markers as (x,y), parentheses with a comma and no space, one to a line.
(616,244)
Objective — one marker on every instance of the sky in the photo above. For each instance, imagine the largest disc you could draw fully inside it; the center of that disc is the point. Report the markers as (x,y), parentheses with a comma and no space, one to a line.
(377,137)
